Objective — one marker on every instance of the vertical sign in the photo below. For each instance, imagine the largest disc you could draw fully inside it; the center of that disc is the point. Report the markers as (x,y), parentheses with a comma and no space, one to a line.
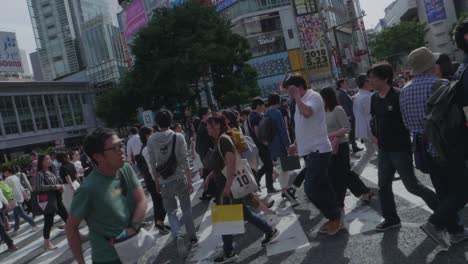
(10,60)
(435,10)
(313,45)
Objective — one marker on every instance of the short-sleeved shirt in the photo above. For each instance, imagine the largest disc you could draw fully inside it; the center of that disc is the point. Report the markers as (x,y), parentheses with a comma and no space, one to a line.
(68,169)
(15,184)
(107,211)
(311,132)
(218,160)
(391,132)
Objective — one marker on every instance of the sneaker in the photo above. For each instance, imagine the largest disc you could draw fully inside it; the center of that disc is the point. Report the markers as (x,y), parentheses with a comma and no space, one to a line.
(460,237)
(332,227)
(224,258)
(162,229)
(270,204)
(181,247)
(194,242)
(438,235)
(386,225)
(146,224)
(271,237)
(366,198)
(290,195)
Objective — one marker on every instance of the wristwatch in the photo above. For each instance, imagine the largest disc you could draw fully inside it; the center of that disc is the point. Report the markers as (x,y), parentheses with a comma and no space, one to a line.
(136,226)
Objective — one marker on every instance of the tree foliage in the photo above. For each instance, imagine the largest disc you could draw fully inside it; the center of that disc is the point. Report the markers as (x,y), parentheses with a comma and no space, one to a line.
(394,42)
(179,47)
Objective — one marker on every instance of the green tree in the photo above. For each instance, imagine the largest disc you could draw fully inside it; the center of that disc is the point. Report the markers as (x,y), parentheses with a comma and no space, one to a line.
(397,41)
(183,44)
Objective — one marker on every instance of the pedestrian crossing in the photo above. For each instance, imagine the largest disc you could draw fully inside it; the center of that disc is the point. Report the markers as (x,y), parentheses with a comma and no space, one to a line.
(293,238)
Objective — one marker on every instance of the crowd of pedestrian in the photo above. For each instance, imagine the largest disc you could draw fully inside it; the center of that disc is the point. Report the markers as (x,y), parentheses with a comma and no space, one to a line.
(421,125)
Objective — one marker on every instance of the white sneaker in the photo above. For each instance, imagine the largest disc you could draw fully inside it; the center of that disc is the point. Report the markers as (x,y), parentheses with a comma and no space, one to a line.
(460,237)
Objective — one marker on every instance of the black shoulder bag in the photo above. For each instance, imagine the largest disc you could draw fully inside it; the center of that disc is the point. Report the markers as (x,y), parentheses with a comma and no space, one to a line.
(168,168)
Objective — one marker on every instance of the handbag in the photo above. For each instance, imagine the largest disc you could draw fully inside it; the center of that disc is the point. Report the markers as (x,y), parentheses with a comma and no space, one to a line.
(290,163)
(244,181)
(44,203)
(169,167)
(131,249)
(227,219)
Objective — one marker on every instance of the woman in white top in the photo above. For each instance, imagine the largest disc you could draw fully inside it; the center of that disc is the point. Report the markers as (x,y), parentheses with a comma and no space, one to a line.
(75,159)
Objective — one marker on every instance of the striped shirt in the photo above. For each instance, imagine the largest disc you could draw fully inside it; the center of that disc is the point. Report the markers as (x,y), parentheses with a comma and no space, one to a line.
(46,181)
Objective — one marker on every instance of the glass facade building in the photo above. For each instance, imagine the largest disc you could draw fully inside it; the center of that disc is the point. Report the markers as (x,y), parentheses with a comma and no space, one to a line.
(38,112)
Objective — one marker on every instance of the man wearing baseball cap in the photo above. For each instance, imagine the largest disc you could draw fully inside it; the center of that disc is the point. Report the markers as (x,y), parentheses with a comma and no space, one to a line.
(447,179)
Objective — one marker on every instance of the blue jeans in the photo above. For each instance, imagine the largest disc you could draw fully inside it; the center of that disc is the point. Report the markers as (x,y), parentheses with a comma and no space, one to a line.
(451,184)
(19,212)
(169,192)
(249,216)
(401,162)
(318,185)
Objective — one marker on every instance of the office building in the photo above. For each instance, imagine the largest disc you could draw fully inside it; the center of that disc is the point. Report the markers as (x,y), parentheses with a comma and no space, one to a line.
(36,114)
(36,66)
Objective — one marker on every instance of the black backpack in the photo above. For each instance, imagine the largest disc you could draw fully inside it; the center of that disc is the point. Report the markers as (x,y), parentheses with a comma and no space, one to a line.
(141,162)
(444,124)
(266,130)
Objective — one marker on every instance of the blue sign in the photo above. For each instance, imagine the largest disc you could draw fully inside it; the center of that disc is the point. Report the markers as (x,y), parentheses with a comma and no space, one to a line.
(223,4)
(435,10)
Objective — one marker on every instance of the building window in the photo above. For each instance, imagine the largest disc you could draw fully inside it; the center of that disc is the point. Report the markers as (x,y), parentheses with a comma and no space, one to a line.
(65,108)
(24,113)
(8,115)
(39,112)
(52,111)
(77,109)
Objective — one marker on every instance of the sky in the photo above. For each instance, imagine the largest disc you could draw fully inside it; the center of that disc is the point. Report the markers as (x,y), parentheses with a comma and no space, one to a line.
(14,16)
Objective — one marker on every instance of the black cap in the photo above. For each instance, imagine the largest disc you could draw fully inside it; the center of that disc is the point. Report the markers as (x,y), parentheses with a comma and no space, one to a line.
(361,80)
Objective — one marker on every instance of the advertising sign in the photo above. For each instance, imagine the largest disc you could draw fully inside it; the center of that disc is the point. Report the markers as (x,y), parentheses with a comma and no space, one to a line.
(148,118)
(223,4)
(313,44)
(10,59)
(134,18)
(435,10)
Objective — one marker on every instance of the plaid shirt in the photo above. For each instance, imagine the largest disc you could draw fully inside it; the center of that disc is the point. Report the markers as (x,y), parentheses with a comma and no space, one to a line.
(413,98)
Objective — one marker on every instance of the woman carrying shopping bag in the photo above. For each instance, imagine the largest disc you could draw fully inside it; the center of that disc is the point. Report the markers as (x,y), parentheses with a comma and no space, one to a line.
(340,168)
(224,159)
(69,177)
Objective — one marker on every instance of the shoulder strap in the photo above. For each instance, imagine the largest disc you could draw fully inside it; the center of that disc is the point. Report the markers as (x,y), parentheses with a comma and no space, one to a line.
(173,144)
(437,85)
(142,147)
(232,143)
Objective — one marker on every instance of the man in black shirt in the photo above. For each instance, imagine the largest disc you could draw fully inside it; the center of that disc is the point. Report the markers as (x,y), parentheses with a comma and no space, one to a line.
(394,143)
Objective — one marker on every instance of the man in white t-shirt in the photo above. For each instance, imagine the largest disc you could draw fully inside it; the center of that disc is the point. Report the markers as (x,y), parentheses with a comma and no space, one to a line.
(18,195)
(313,144)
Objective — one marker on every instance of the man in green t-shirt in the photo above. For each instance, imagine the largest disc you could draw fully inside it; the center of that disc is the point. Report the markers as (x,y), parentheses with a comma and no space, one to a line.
(111,199)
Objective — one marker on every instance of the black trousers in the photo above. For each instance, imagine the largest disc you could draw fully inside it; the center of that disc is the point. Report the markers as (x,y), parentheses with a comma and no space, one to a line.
(158,207)
(342,177)
(49,218)
(352,134)
(267,167)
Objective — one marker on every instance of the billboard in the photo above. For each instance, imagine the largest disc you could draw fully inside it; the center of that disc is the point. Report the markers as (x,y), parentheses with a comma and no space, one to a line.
(435,10)
(10,59)
(223,4)
(312,42)
(133,19)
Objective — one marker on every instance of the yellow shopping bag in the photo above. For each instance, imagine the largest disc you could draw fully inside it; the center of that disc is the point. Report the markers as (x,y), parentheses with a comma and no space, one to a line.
(228,219)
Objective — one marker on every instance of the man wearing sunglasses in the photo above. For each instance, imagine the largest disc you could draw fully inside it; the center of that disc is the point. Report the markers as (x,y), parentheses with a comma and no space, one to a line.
(111,199)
